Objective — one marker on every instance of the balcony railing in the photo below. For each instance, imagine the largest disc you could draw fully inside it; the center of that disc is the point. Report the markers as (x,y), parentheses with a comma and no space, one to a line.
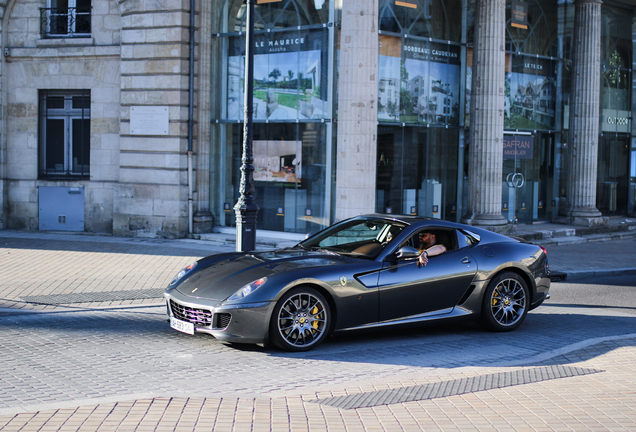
(65,22)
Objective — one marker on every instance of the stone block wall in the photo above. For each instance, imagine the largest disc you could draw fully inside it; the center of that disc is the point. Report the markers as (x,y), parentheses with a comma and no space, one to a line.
(137,55)
(151,196)
(35,63)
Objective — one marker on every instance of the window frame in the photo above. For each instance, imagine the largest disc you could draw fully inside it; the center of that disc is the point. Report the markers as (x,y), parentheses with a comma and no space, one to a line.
(69,115)
(73,14)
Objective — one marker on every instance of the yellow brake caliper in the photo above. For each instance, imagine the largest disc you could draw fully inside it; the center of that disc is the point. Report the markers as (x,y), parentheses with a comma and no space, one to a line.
(495,297)
(314,312)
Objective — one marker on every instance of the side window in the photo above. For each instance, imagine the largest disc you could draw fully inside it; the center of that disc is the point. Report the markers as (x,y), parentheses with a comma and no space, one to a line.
(66,18)
(64,140)
(445,237)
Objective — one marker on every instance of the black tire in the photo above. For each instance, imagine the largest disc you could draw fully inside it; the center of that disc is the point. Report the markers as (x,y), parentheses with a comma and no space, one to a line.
(505,304)
(301,320)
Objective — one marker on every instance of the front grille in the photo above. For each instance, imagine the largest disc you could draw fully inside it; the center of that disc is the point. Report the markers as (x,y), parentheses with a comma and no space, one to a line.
(222,320)
(198,317)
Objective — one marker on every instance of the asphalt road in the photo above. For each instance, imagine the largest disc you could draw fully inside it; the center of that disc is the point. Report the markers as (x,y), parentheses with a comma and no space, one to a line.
(617,293)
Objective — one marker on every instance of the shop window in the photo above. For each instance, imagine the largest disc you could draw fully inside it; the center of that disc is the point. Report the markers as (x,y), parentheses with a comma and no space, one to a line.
(536,36)
(437,19)
(66,18)
(64,141)
(417,171)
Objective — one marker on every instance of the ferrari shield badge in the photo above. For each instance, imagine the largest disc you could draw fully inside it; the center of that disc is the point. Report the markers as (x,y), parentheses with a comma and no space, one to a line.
(343,280)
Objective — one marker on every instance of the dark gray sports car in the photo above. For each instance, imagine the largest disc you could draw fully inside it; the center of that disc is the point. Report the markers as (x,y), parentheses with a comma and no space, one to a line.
(360,273)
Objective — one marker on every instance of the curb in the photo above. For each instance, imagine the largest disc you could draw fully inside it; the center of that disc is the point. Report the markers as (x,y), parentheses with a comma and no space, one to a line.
(573,275)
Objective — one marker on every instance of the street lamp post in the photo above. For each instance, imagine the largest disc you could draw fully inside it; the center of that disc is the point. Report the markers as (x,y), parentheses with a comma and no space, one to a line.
(246,208)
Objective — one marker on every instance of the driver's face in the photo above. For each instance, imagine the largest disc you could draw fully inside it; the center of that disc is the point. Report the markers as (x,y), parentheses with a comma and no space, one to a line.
(427,239)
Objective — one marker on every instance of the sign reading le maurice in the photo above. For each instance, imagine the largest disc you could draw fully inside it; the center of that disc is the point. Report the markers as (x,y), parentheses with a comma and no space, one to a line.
(518,146)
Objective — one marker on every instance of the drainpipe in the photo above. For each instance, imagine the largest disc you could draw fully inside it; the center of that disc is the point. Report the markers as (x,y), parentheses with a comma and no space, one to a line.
(191,120)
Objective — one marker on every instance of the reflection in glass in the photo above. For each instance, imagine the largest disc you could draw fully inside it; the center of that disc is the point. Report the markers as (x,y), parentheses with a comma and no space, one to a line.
(289,176)
(417,171)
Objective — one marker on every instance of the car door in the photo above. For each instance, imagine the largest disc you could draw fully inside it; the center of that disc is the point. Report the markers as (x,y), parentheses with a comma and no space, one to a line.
(406,290)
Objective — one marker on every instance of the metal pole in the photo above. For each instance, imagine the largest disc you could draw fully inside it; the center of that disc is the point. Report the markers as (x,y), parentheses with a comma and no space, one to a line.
(246,208)
(191,121)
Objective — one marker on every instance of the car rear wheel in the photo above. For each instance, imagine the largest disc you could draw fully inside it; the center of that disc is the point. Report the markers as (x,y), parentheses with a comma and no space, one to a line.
(505,303)
(301,320)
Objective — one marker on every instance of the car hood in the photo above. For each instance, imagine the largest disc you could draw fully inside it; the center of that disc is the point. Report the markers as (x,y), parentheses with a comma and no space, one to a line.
(223,277)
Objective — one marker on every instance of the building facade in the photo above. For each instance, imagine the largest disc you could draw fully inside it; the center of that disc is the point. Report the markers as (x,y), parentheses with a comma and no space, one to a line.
(127,117)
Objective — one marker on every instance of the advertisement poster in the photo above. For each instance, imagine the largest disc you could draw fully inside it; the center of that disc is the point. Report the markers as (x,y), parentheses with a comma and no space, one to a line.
(290,77)
(418,82)
(389,79)
(530,93)
(430,83)
(277,161)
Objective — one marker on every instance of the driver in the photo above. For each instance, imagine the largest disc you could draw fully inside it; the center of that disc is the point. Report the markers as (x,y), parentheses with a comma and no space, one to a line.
(428,247)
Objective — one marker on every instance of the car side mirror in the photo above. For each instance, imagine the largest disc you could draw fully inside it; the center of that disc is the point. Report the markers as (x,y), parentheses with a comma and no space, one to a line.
(407,253)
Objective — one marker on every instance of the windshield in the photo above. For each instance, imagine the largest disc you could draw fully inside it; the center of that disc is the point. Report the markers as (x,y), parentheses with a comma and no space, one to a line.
(362,237)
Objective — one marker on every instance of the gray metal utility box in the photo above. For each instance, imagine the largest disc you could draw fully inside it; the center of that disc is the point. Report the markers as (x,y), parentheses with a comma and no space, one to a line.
(61,208)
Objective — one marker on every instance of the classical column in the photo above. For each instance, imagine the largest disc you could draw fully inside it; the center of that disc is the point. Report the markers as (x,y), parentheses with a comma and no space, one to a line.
(357,109)
(487,116)
(584,116)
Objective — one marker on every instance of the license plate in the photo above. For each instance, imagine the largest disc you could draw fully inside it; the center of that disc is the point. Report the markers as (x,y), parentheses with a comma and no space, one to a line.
(182,326)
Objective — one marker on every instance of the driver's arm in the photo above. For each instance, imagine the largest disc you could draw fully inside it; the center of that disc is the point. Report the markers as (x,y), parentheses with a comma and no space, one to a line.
(431,252)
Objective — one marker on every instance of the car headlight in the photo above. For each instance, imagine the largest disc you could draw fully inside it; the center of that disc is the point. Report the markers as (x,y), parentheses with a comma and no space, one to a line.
(184,271)
(248,289)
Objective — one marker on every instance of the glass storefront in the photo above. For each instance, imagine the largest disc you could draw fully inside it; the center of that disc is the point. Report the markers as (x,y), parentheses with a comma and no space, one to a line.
(534,73)
(420,107)
(292,112)
(424,85)
(613,187)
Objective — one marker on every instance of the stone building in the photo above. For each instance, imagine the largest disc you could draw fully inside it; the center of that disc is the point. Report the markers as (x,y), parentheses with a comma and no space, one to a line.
(126,117)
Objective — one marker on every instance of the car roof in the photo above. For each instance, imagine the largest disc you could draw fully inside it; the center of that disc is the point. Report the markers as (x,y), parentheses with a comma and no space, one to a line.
(486,236)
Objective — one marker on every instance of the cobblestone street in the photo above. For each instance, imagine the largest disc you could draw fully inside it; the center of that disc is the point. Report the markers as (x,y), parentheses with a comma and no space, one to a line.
(86,346)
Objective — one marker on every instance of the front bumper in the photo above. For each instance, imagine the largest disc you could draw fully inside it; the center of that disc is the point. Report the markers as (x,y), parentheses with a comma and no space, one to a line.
(240,323)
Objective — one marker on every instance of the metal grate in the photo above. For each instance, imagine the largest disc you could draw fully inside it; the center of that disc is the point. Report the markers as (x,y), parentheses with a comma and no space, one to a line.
(454,387)
(106,296)
(198,317)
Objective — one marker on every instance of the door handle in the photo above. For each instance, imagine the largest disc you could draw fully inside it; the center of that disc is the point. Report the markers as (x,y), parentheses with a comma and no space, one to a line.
(466,260)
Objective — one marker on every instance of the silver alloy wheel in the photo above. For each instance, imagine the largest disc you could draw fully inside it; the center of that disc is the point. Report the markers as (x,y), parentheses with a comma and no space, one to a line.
(302,320)
(508,302)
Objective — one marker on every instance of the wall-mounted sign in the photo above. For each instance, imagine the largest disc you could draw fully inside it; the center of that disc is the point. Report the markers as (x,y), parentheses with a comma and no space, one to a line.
(149,120)
(519,15)
(227,207)
(280,211)
(518,146)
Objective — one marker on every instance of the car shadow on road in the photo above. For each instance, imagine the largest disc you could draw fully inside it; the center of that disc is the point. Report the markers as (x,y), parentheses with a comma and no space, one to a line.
(542,335)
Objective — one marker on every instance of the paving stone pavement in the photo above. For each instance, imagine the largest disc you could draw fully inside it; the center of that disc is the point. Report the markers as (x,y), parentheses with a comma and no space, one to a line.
(113,363)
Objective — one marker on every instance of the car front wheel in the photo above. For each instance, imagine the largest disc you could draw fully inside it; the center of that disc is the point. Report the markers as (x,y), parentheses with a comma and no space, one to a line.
(301,320)
(505,303)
